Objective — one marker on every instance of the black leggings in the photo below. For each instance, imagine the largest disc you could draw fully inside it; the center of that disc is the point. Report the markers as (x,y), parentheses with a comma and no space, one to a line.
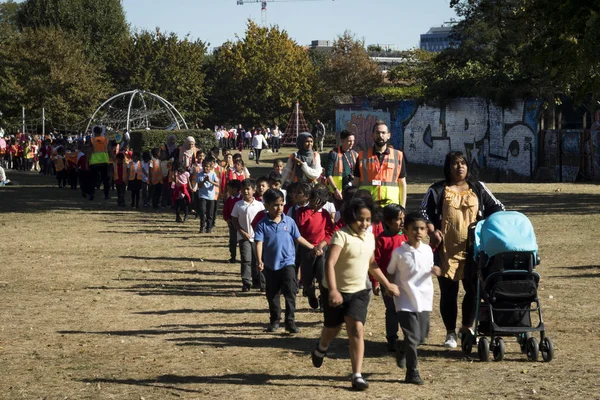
(448,302)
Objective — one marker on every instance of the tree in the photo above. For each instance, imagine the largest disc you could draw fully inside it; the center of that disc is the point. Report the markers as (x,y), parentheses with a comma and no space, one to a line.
(45,68)
(514,49)
(350,70)
(256,80)
(8,19)
(99,25)
(163,64)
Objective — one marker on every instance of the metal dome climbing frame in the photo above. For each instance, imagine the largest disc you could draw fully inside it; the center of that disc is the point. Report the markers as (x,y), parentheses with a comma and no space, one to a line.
(137,109)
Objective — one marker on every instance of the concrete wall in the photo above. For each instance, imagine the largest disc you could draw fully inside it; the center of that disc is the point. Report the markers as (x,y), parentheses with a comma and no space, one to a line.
(490,136)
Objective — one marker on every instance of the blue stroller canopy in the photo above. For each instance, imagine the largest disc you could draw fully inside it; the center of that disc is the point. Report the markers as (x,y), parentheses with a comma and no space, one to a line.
(504,231)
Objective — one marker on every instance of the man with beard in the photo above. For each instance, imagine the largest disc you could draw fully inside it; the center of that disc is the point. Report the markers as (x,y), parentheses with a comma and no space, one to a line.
(382,169)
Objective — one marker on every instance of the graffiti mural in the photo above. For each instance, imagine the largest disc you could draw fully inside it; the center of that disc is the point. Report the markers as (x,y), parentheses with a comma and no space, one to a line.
(360,123)
(490,137)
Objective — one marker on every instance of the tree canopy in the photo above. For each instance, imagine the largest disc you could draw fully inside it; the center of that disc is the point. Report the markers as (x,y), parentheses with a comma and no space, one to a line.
(258,79)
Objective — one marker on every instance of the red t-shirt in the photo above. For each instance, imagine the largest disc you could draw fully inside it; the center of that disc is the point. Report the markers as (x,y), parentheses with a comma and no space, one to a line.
(314,226)
(228,205)
(385,244)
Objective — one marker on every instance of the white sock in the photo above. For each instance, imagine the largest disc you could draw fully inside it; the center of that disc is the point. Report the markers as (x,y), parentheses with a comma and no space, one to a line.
(357,375)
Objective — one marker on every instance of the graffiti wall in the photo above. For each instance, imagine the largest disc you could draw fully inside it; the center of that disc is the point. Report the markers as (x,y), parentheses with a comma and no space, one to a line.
(361,124)
(490,136)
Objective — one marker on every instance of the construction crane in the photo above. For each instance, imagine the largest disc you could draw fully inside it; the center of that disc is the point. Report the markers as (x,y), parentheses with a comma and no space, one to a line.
(263,6)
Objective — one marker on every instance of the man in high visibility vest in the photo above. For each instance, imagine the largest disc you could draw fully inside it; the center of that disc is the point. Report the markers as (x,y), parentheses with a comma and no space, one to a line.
(382,169)
(340,165)
(99,158)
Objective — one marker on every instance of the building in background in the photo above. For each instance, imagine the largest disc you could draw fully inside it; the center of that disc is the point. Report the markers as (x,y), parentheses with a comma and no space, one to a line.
(438,38)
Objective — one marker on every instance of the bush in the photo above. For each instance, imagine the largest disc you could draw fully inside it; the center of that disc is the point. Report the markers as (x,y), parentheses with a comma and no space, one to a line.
(146,140)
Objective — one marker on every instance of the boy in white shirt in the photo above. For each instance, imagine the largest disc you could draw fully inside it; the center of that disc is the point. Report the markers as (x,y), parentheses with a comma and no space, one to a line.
(242,215)
(411,267)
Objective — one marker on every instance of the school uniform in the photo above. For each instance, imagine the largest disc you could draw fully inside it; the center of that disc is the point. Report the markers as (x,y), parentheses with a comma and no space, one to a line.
(245,213)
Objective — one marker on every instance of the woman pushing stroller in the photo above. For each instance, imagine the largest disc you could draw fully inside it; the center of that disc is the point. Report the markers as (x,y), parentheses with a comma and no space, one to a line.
(450,207)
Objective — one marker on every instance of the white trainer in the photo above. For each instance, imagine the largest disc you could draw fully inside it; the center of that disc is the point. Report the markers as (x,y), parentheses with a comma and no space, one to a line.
(450,341)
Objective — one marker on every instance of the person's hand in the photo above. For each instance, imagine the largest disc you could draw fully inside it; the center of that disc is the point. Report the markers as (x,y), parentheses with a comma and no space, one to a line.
(435,238)
(376,289)
(317,251)
(206,179)
(245,235)
(337,194)
(260,266)
(298,161)
(435,270)
(316,204)
(392,290)
(335,298)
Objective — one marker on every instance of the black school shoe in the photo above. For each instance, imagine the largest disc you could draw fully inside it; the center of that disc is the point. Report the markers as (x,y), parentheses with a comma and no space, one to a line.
(313,302)
(272,327)
(291,327)
(317,360)
(414,377)
(359,383)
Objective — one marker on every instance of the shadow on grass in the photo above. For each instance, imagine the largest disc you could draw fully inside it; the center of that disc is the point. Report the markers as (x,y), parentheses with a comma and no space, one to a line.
(183,271)
(167,258)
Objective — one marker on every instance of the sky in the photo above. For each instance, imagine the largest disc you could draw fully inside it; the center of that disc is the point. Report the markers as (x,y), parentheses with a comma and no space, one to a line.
(385,22)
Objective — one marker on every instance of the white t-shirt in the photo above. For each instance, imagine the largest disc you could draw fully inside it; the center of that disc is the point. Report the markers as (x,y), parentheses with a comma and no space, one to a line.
(411,269)
(145,171)
(258,141)
(245,213)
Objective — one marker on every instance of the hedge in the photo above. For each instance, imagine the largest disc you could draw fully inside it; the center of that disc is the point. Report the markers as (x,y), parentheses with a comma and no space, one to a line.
(146,140)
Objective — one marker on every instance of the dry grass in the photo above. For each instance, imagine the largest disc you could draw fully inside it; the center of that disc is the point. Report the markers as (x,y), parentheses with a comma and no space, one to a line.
(104,303)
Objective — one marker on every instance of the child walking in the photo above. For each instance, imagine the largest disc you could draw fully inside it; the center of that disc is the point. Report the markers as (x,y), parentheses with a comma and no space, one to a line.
(349,259)
(135,179)
(241,217)
(120,179)
(233,191)
(316,226)
(411,267)
(275,238)
(207,182)
(390,239)
(181,193)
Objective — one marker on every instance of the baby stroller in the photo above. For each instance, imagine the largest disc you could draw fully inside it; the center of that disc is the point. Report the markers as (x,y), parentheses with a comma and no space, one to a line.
(505,250)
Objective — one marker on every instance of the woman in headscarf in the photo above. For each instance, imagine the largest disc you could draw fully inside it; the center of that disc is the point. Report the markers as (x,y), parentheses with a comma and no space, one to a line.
(170,147)
(305,164)
(187,153)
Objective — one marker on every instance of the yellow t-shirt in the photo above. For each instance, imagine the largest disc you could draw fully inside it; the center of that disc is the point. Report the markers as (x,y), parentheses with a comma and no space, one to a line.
(352,265)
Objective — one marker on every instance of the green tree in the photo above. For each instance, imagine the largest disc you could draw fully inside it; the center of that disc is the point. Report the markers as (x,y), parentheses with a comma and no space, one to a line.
(350,71)
(166,65)
(256,80)
(99,25)
(8,19)
(45,68)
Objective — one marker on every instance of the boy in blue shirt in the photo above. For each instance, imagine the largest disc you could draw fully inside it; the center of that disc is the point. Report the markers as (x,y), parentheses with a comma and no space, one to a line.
(275,238)
(207,182)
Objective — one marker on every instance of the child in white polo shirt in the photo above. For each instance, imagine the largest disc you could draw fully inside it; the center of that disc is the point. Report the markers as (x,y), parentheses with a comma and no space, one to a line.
(411,267)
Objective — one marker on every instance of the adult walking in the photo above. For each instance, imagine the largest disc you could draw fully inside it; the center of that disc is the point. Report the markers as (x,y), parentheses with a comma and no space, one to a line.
(450,206)
(340,165)
(99,158)
(275,139)
(319,135)
(382,169)
(258,143)
(305,164)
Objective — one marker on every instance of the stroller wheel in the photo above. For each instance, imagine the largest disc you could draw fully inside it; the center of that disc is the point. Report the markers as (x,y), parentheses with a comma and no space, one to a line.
(483,349)
(547,349)
(499,349)
(522,340)
(533,349)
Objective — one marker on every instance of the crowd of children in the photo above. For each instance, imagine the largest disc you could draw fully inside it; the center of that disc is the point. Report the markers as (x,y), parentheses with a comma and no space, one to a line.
(338,253)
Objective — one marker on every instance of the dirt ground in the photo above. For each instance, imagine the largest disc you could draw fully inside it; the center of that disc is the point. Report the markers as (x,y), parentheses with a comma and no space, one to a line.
(107,303)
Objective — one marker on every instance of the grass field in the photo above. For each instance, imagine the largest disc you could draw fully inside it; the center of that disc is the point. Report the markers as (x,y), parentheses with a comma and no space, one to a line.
(107,303)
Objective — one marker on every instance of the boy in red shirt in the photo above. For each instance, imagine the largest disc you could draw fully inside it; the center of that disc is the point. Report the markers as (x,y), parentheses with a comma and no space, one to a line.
(385,244)
(233,191)
(316,226)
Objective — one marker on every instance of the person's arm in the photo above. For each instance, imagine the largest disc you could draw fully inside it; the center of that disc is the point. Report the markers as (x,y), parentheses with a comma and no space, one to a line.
(427,209)
(259,251)
(313,173)
(215,182)
(305,243)
(390,288)
(402,199)
(490,203)
(335,297)
(331,162)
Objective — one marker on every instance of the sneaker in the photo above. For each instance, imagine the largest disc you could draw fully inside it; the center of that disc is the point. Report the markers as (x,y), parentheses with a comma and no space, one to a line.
(450,341)
(273,326)
(414,377)
(359,383)
(317,360)
(313,302)
(291,327)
